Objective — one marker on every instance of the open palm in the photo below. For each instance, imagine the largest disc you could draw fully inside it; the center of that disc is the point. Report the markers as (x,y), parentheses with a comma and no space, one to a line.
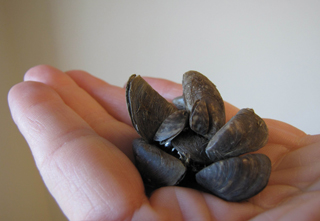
(80,134)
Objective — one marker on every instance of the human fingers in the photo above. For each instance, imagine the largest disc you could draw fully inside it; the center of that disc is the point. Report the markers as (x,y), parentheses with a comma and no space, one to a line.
(178,203)
(282,138)
(104,93)
(294,180)
(110,97)
(299,167)
(104,123)
(280,133)
(89,176)
(283,133)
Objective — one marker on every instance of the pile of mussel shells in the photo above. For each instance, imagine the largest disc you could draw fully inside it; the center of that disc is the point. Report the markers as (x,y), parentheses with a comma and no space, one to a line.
(188,143)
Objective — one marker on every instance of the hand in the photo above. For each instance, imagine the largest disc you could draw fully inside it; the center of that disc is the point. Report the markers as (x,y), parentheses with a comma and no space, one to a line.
(80,135)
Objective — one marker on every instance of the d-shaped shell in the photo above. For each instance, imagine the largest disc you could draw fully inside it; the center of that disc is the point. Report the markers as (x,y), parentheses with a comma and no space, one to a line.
(243,133)
(147,108)
(157,167)
(171,127)
(204,102)
(236,178)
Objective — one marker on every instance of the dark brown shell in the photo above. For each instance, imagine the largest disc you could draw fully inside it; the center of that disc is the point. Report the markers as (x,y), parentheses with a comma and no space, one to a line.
(199,117)
(194,138)
(243,133)
(157,167)
(171,127)
(147,108)
(236,178)
(197,87)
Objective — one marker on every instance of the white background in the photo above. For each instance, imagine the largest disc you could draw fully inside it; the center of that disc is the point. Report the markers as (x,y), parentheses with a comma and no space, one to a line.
(260,54)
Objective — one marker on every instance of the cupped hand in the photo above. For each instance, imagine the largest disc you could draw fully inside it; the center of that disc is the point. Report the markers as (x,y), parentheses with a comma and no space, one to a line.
(80,135)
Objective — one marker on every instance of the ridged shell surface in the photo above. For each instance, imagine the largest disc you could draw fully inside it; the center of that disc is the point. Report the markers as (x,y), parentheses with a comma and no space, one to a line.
(236,178)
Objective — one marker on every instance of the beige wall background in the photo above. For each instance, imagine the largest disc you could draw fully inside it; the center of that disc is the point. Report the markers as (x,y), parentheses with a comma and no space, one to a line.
(260,54)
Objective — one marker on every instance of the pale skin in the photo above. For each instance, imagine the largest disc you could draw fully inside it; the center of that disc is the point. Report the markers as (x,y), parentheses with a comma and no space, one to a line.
(80,134)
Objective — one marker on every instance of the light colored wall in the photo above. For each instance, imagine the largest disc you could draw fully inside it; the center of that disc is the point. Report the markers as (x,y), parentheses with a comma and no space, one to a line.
(260,54)
(24,42)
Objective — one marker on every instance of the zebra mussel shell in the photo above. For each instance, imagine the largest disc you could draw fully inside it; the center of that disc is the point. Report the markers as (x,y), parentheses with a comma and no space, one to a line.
(189,140)
(236,178)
